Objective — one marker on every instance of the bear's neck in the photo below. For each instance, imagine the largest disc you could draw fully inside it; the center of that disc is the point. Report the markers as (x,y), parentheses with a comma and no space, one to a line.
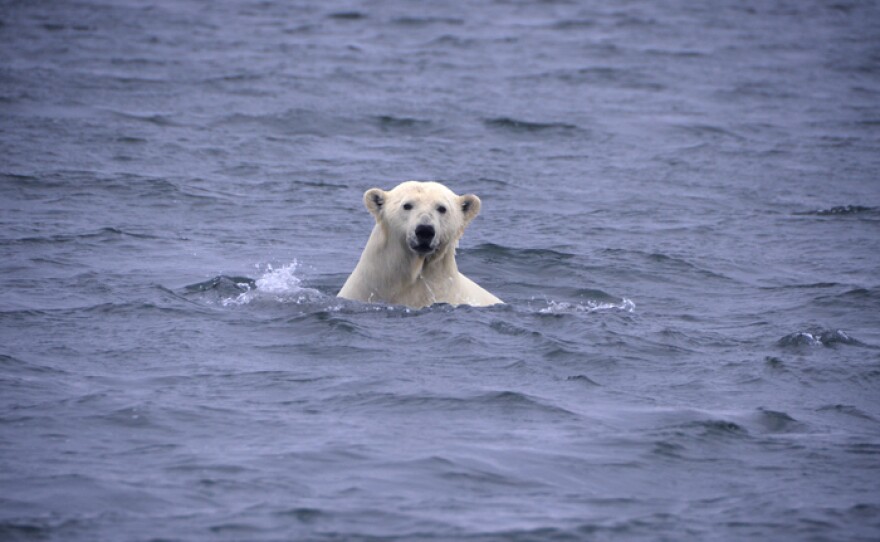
(425,276)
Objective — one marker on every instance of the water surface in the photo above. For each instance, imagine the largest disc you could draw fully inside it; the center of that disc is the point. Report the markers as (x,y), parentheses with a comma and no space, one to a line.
(680,208)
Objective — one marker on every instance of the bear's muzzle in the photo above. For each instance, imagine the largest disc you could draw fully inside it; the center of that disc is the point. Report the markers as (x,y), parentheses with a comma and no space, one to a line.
(424,241)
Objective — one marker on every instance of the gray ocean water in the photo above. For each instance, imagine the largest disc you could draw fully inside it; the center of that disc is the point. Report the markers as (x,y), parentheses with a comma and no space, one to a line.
(681,208)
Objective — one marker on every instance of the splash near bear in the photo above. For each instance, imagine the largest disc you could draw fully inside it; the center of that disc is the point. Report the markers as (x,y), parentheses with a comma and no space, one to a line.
(410,255)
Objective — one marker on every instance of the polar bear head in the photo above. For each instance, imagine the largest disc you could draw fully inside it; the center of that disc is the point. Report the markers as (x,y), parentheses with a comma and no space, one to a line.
(426,217)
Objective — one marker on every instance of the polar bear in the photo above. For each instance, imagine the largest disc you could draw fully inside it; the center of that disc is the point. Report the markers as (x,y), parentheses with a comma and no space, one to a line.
(410,256)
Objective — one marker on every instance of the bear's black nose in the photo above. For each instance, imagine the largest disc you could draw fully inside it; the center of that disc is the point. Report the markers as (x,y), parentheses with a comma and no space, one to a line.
(424,233)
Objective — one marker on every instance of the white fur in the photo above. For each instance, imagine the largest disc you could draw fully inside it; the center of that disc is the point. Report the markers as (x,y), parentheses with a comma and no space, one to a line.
(393,270)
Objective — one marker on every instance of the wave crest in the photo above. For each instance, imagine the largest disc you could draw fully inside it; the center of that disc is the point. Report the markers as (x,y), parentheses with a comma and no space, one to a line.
(818,337)
(587,306)
(842,210)
(281,285)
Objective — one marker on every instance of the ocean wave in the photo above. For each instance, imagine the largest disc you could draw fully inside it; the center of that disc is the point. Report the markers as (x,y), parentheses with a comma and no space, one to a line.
(505,402)
(547,265)
(719,427)
(456,470)
(584,379)
(848,410)
(522,126)
(807,286)
(303,122)
(842,210)
(818,337)
(658,264)
(13,366)
(773,421)
(91,186)
(347,15)
(222,284)
(686,441)
(864,448)
(493,249)
(573,24)
(103,234)
(275,285)
(675,424)
(604,75)
(425,21)
(157,119)
(587,306)
(408,125)
(550,263)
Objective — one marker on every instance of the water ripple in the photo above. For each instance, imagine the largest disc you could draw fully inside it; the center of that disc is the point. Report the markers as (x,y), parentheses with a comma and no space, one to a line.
(818,337)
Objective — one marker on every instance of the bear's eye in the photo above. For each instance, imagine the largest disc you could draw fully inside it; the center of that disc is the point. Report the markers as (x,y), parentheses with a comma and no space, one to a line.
(441,209)
(407,206)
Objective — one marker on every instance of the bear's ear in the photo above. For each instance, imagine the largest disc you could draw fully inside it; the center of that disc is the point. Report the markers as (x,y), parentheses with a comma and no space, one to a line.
(470,207)
(374,200)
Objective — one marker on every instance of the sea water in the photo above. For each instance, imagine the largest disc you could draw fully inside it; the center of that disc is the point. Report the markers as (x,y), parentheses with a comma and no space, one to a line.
(681,210)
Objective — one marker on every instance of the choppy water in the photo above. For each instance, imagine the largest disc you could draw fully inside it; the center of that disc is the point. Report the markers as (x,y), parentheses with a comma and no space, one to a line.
(681,206)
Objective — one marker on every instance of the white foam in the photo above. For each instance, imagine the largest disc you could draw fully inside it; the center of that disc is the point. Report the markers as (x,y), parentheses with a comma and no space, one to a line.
(562,307)
(281,285)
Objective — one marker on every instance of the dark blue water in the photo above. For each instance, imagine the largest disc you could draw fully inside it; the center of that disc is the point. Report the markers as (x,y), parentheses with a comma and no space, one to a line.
(681,207)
